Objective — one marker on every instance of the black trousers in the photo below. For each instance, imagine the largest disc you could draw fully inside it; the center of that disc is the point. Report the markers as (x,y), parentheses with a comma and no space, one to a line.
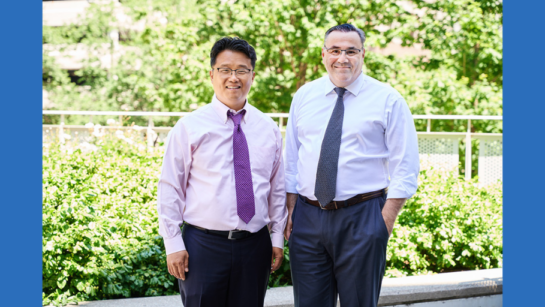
(226,273)
(338,252)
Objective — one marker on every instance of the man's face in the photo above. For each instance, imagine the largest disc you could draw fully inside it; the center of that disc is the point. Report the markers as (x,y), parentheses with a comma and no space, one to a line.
(232,89)
(343,70)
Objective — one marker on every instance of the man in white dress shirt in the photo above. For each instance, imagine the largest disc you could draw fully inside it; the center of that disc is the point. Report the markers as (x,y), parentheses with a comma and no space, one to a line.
(223,177)
(351,162)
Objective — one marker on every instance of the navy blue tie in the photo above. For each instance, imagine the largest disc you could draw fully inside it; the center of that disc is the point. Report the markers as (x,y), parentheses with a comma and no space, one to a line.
(326,175)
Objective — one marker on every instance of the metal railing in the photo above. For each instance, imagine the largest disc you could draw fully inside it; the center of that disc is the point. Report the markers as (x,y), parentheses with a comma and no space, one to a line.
(281,116)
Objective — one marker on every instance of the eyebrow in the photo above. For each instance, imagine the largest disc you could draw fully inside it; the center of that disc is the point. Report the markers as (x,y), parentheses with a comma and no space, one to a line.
(337,47)
(240,65)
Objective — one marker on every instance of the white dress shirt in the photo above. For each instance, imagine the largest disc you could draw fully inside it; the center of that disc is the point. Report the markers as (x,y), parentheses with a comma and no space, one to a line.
(197,182)
(379,145)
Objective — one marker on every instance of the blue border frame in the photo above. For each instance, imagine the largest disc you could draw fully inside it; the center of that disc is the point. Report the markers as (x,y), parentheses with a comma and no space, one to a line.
(524,110)
(21,154)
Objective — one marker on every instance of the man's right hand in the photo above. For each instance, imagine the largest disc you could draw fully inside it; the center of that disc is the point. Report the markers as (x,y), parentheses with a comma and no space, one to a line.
(291,199)
(287,231)
(177,264)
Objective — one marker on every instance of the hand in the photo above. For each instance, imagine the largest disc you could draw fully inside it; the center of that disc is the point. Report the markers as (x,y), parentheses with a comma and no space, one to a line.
(289,226)
(177,264)
(389,225)
(277,256)
(291,199)
(390,211)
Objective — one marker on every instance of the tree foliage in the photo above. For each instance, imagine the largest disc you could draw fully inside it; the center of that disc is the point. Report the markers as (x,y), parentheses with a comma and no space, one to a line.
(168,70)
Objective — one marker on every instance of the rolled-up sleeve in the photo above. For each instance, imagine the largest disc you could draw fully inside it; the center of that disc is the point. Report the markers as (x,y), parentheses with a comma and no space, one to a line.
(291,154)
(277,197)
(172,188)
(402,143)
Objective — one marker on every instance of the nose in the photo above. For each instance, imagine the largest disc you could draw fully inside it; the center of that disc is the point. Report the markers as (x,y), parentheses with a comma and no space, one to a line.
(233,77)
(343,58)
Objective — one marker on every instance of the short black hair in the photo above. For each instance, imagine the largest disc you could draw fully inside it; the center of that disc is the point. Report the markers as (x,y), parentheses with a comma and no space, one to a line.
(346,27)
(233,44)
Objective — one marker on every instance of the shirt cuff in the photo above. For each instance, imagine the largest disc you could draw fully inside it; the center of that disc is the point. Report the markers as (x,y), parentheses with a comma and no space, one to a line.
(175,244)
(277,240)
(291,184)
(398,190)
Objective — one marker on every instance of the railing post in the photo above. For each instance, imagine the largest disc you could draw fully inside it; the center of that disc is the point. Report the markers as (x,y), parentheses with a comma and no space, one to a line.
(150,132)
(120,120)
(280,123)
(428,128)
(468,151)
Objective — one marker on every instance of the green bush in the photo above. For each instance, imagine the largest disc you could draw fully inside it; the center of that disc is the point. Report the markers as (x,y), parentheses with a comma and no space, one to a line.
(449,225)
(100,228)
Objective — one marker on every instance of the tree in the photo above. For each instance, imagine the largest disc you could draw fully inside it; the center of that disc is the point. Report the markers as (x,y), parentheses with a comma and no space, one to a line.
(169,72)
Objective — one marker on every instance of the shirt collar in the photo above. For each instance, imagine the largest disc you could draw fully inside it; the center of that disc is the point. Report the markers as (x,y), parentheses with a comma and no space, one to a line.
(221,109)
(353,88)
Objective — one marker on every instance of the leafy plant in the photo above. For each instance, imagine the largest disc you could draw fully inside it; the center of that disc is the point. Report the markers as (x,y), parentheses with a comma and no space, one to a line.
(100,227)
(165,66)
(449,225)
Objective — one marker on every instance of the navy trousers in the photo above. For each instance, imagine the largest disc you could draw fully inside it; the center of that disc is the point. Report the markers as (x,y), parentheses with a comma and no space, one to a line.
(338,252)
(226,273)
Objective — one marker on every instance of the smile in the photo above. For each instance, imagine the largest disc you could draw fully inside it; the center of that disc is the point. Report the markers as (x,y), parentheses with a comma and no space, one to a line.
(232,87)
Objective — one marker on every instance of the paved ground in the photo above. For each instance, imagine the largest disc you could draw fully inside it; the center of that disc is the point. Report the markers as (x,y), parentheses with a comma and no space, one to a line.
(276,297)
(461,289)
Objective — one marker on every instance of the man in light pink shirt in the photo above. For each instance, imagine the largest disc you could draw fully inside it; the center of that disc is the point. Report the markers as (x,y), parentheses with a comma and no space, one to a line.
(223,179)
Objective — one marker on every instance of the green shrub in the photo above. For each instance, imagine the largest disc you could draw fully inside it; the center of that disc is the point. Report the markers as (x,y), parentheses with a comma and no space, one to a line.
(449,225)
(100,228)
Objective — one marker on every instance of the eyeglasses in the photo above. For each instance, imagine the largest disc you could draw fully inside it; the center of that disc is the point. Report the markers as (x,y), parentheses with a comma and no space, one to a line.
(227,72)
(353,52)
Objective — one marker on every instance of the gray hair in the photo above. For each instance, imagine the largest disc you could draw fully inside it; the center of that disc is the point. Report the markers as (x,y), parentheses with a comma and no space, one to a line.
(346,27)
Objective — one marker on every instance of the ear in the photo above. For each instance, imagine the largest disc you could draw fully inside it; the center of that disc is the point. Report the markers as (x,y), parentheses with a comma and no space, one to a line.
(253,75)
(211,72)
(363,54)
(323,57)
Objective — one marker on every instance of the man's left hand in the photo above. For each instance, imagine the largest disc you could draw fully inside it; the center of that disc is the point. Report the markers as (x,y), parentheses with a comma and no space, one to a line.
(277,257)
(390,211)
(389,224)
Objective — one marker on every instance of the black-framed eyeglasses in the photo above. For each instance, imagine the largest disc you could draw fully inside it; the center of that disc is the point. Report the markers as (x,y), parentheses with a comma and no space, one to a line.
(352,52)
(227,72)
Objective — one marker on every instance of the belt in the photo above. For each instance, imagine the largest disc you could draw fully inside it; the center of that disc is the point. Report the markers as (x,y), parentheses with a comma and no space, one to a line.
(229,234)
(337,204)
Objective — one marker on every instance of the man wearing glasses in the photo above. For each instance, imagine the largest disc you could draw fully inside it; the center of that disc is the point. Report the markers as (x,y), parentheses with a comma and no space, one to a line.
(351,162)
(223,178)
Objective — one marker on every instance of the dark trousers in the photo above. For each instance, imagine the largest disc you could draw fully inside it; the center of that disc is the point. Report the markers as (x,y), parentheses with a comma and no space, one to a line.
(226,273)
(338,252)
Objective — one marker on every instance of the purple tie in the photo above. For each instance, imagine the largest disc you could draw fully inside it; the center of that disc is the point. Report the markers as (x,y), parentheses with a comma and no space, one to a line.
(243,173)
